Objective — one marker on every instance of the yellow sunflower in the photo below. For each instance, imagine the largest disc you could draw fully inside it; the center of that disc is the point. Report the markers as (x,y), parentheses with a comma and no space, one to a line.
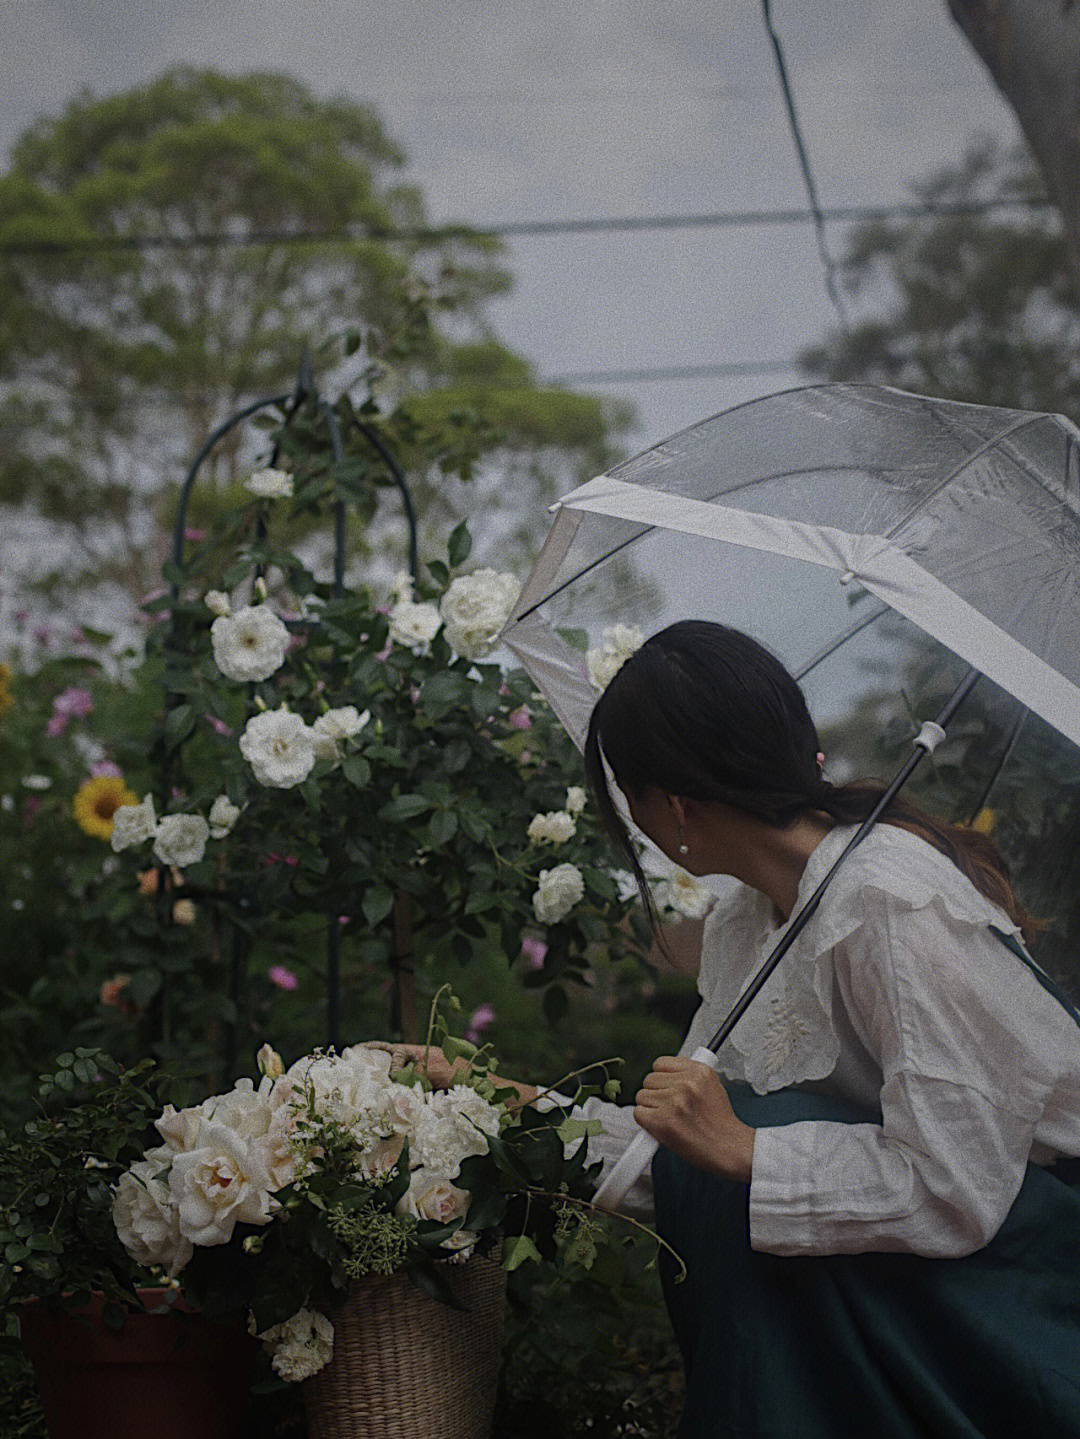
(7,699)
(97,800)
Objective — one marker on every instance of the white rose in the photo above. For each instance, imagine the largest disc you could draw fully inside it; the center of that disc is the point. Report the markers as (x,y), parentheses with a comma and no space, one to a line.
(376,1061)
(575,799)
(414,625)
(381,1157)
(250,644)
(133,824)
(223,1181)
(431,1196)
(401,588)
(223,815)
(301,1346)
(270,484)
(146,1218)
(559,890)
(217,602)
(554,828)
(463,1102)
(475,608)
(618,643)
(400,1107)
(180,839)
(681,892)
(279,748)
(444,1136)
(330,730)
(462,1243)
(345,1092)
(179,1127)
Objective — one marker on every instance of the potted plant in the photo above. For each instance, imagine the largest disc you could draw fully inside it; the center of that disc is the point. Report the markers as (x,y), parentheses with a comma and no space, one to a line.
(115,1352)
(365,1220)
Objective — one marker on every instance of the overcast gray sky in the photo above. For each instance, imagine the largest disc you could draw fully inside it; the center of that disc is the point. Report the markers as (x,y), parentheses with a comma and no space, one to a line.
(515,109)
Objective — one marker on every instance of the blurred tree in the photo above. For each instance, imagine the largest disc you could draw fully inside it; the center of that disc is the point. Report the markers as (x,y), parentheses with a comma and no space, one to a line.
(978,307)
(1032,49)
(116,362)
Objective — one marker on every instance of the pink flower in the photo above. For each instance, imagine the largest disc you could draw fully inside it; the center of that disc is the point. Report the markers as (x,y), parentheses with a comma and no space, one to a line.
(343,918)
(274,858)
(74,702)
(218,726)
(526,756)
(534,951)
(295,642)
(30,809)
(194,535)
(520,718)
(414,694)
(57,725)
(106,767)
(282,977)
(76,637)
(384,653)
(43,634)
(482,1017)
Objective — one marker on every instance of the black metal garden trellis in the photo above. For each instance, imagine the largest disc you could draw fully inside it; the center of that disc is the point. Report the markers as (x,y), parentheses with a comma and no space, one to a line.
(304,394)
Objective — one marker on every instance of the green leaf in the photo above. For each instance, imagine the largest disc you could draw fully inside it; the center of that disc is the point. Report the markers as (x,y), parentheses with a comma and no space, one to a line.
(599,883)
(377,903)
(356,770)
(179,723)
(519,1250)
(459,546)
(612,1088)
(438,572)
(405,806)
(442,828)
(571,1129)
(144,984)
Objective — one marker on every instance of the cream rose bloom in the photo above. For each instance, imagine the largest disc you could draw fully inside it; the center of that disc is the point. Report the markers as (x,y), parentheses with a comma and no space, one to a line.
(414,625)
(431,1195)
(278,746)
(223,815)
(250,644)
(299,1347)
(684,894)
(475,608)
(331,730)
(146,1217)
(219,1183)
(217,602)
(558,891)
(270,484)
(576,799)
(554,828)
(618,643)
(133,824)
(180,839)
(453,1126)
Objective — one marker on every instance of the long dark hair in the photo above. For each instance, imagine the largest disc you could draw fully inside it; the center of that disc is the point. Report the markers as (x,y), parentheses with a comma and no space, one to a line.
(705,712)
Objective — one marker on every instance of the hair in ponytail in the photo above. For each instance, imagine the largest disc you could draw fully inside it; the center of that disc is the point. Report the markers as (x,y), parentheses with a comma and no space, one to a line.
(704,711)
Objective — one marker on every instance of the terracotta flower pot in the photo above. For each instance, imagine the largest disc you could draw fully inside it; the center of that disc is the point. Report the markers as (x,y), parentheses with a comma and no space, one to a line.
(170,1376)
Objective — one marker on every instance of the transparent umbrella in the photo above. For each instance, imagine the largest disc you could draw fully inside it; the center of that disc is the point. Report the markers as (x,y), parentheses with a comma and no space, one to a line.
(805,518)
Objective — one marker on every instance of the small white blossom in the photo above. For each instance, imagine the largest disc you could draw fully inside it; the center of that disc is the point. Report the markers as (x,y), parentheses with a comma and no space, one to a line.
(311,607)
(330,730)
(270,484)
(217,602)
(575,799)
(223,815)
(250,644)
(180,839)
(554,828)
(475,608)
(133,824)
(278,746)
(301,1346)
(414,625)
(684,894)
(37,781)
(559,890)
(618,643)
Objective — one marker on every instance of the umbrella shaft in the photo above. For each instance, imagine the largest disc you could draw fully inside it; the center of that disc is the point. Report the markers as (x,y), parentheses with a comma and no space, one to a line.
(799,923)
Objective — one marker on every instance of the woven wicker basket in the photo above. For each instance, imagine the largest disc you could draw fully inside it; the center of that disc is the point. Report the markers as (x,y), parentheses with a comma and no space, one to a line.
(408,1367)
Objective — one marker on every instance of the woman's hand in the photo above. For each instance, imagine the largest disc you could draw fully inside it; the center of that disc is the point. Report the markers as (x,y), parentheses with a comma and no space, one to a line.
(684,1106)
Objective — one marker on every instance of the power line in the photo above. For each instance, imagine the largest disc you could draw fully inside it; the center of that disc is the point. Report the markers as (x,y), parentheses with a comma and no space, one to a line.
(526,229)
(827,260)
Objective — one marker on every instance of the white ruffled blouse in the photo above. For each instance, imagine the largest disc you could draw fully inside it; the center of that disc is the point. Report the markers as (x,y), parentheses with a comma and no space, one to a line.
(896,997)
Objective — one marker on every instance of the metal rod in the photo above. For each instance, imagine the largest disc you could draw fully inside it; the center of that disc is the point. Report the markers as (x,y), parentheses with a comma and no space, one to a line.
(338,447)
(1006,755)
(333,982)
(923,747)
(391,464)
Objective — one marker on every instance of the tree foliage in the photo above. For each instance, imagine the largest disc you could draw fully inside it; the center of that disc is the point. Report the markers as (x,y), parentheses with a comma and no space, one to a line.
(117,360)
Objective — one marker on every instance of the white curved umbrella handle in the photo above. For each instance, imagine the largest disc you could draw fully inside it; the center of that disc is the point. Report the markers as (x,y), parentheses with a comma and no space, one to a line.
(638,1156)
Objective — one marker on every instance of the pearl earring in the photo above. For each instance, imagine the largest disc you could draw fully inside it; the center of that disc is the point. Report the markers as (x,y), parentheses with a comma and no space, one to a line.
(684,848)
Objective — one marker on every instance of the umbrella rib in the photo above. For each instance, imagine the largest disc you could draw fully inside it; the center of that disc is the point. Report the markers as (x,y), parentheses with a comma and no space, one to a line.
(848,634)
(1006,755)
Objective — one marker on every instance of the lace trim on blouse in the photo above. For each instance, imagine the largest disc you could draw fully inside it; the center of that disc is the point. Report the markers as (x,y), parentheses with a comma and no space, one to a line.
(787,1035)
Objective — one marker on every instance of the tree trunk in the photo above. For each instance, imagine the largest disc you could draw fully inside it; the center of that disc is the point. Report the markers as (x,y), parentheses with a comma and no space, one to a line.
(1032,49)
(403,1004)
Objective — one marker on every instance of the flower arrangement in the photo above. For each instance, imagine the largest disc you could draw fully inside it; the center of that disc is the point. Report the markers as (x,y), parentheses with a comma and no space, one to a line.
(273,1198)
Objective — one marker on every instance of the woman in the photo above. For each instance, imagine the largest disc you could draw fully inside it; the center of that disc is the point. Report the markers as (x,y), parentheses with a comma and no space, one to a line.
(879,1208)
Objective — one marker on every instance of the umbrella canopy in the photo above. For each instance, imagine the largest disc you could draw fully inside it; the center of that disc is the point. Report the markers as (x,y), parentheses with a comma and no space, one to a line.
(772,516)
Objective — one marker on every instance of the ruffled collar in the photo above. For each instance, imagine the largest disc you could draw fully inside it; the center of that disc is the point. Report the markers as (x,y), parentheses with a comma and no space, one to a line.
(787,1035)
